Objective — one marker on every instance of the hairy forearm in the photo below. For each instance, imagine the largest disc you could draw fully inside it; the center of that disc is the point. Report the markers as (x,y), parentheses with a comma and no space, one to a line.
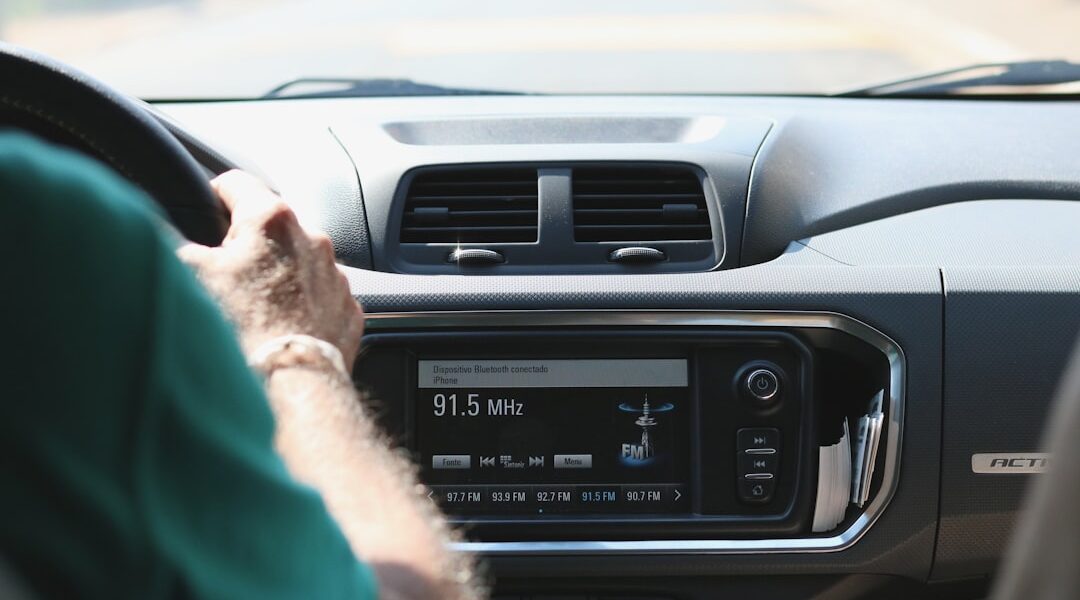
(329,441)
(297,320)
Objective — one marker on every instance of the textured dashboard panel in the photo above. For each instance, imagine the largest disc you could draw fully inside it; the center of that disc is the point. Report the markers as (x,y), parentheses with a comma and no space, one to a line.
(827,171)
(1009,333)
(904,303)
(981,232)
(299,158)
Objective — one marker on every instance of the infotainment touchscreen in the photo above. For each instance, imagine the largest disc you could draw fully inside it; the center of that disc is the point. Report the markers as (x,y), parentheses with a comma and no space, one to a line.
(555,436)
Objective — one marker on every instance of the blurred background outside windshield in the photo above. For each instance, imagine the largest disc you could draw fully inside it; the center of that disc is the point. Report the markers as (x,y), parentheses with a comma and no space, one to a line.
(242,48)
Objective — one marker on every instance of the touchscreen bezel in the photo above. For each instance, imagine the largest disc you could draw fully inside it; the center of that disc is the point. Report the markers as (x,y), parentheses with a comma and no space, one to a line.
(394,340)
(394,365)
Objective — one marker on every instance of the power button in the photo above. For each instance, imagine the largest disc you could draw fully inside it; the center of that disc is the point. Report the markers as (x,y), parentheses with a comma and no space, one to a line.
(762,384)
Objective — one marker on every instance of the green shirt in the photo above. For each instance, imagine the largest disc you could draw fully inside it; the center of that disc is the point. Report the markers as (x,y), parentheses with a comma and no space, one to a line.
(136,456)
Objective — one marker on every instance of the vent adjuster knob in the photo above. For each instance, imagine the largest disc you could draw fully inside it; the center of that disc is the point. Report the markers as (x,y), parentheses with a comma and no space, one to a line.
(469,257)
(637,254)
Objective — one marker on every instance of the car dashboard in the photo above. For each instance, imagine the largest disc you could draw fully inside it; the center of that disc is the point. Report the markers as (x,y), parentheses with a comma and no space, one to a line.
(688,346)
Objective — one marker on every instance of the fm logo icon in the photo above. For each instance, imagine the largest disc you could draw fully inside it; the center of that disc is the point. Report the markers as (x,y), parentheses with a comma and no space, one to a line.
(641,451)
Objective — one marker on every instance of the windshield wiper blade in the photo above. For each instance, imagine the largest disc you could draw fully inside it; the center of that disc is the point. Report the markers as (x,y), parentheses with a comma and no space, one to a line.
(976,79)
(345,87)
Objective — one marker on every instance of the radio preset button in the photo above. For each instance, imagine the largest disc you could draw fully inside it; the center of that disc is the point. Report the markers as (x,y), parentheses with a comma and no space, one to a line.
(508,497)
(556,498)
(458,497)
(647,498)
(597,495)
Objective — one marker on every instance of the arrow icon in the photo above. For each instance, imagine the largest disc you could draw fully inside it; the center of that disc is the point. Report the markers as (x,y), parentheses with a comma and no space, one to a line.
(487,461)
(430,494)
(678,494)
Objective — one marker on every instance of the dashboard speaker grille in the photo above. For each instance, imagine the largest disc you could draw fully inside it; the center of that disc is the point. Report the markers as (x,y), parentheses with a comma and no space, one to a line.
(639,204)
(471,205)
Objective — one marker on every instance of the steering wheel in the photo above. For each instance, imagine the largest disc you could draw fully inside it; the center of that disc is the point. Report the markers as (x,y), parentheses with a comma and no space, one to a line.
(70,108)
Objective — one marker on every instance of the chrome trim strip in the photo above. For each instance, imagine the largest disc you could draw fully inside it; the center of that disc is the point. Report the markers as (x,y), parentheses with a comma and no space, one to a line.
(685,318)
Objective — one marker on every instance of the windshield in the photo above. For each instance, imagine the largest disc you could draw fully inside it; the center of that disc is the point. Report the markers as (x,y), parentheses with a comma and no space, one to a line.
(178,49)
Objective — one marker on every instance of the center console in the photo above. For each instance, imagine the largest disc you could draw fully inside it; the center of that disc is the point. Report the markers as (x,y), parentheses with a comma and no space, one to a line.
(577,431)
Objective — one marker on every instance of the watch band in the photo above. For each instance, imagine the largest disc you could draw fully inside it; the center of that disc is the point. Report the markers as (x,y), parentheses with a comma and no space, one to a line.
(296,350)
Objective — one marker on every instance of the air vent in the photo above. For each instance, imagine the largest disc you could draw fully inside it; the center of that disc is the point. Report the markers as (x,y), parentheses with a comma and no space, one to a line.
(639,204)
(471,206)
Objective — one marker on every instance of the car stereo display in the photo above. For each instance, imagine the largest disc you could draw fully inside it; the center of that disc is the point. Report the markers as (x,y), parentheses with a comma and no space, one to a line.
(555,436)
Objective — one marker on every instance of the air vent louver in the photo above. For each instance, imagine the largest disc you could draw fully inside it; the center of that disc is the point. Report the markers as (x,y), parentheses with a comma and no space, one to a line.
(639,204)
(471,206)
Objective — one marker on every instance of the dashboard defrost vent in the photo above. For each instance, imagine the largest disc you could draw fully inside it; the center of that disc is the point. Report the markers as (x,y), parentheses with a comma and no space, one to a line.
(471,206)
(639,204)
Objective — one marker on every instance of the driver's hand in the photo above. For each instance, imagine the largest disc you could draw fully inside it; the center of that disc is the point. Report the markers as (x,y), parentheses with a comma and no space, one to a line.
(273,277)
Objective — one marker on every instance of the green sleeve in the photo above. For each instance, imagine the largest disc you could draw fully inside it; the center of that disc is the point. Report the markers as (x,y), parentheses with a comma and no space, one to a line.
(139,447)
